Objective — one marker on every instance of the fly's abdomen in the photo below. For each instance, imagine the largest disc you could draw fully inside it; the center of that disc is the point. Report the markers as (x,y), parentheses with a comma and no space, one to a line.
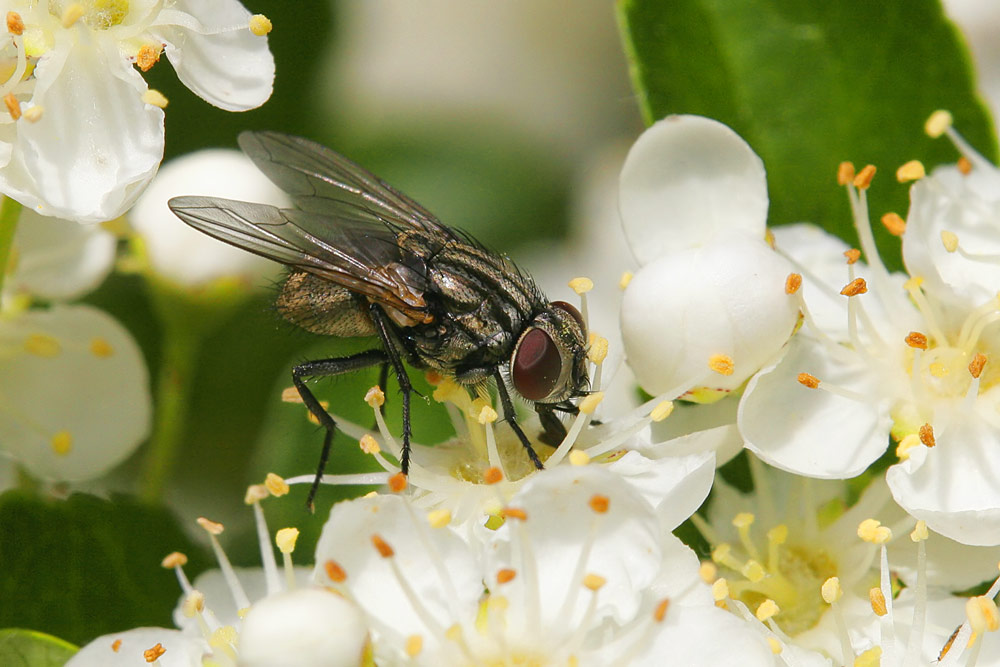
(321,307)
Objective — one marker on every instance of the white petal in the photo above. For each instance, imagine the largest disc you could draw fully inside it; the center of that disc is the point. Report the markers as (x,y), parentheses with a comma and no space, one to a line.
(706,636)
(675,485)
(679,579)
(180,650)
(306,627)
(219,598)
(96,145)
(188,257)
(79,403)
(954,487)
(231,69)
(59,259)
(701,427)
(688,181)
(726,298)
(811,431)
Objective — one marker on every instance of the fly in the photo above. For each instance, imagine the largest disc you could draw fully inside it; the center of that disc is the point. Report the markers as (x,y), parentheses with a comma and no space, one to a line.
(366,260)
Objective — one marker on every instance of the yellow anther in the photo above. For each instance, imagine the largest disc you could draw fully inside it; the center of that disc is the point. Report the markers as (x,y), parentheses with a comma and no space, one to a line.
(753,571)
(13,105)
(743,520)
(625,279)
(260,25)
(660,612)
(578,457)
(594,581)
(72,14)
(581,285)
(33,114)
(42,345)
(872,530)
(906,445)
(894,224)
(938,123)
(398,482)
(926,435)
(877,601)
(153,653)
(375,397)
(492,476)
(155,98)
(808,380)
(982,614)
(598,350)
(964,166)
(487,415)
(864,178)
(949,240)
(15,24)
(211,527)
(599,504)
(414,645)
(193,604)
(662,410)
(916,340)
(977,364)
(290,395)
(147,56)
(722,553)
(255,493)
(116,645)
(831,590)
(276,485)
(793,283)
(852,255)
(870,658)
(708,571)
(286,539)
(775,645)
(174,559)
(720,590)
(438,518)
(101,348)
(383,548)
(334,571)
(506,575)
(855,287)
(514,513)
(722,364)
(911,171)
(767,609)
(778,534)
(62,443)
(369,445)
(845,173)
(590,402)
(920,533)
(433,377)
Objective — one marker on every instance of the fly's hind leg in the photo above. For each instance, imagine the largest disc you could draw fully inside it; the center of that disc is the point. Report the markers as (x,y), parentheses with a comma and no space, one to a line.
(325,368)
(391,356)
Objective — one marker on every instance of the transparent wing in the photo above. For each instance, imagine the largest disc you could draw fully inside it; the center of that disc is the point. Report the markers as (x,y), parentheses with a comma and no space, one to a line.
(360,256)
(323,181)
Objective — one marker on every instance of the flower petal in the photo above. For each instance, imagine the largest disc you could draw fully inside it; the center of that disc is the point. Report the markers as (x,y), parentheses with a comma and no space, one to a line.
(688,181)
(675,485)
(96,144)
(230,69)
(706,636)
(811,431)
(75,391)
(125,649)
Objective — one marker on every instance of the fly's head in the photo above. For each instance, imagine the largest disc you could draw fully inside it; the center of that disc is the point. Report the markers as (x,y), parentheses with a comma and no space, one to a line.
(549,363)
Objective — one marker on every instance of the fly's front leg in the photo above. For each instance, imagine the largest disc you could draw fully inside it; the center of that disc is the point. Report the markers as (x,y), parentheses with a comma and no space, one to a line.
(392,356)
(323,368)
(553,430)
(511,418)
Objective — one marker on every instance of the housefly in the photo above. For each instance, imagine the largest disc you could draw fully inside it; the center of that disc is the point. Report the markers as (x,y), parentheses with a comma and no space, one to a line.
(365,260)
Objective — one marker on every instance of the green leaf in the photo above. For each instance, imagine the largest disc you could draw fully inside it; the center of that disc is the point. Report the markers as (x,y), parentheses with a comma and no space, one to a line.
(809,84)
(83,567)
(27,648)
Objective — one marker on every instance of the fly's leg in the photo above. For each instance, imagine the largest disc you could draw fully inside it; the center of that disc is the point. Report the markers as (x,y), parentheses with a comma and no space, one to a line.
(553,430)
(392,357)
(510,418)
(324,368)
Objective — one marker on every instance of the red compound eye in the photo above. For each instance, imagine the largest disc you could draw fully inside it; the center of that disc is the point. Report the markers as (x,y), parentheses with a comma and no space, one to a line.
(571,309)
(536,365)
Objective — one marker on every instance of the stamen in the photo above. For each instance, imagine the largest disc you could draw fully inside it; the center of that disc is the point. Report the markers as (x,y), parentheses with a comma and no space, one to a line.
(949,240)
(33,114)
(13,106)
(270,566)
(793,283)
(722,364)
(72,14)
(911,171)
(776,537)
(855,287)
(155,98)
(864,178)
(578,457)
(906,445)
(599,504)
(964,166)
(877,600)
(708,572)
(938,123)
(438,518)
(383,548)
(116,645)
(742,523)
(62,443)
(660,612)
(514,513)
(808,380)
(812,382)
(492,476)
(147,56)
(214,529)
(375,397)
(977,364)
(926,435)
(873,532)
(894,224)
(505,575)
(662,410)
(913,645)
(852,255)
(766,610)
(260,25)
(153,654)
(594,582)
(581,286)
(334,571)
(15,24)
(414,645)
(913,288)
(982,614)
(286,539)
(917,340)
(177,561)
(845,173)
(397,482)
(625,280)
(597,351)
(720,590)
(870,658)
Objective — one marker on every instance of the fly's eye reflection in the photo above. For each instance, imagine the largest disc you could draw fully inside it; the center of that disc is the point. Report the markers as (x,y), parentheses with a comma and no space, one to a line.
(537,365)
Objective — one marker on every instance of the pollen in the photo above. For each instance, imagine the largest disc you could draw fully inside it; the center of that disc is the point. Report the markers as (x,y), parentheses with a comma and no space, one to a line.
(855,287)
(722,364)
(845,173)
(174,559)
(260,25)
(514,513)
(578,457)
(872,530)
(375,397)
(926,434)
(660,612)
(151,655)
(255,493)
(276,485)
(397,482)
(434,378)
(505,575)
(15,24)
(831,590)
(599,503)
(581,285)
(211,527)
(383,548)
(116,645)
(982,614)
(147,56)
(938,123)
(155,98)
(708,572)
(487,415)
(13,106)
(594,582)
(42,345)
(949,240)
(767,609)
(369,445)
(290,395)
(62,443)
(34,114)
(894,224)
(438,518)
(493,475)
(877,601)
(807,380)
(720,589)
(920,533)
(71,15)
(285,539)
(598,350)
(414,645)
(911,171)
(334,571)
(625,279)
(793,282)
(590,402)
(101,348)
(864,178)
(852,255)
(977,364)
(964,166)
(916,340)
(662,410)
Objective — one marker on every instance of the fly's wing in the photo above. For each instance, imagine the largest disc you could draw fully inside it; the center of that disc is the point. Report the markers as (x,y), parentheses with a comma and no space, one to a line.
(323,181)
(357,254)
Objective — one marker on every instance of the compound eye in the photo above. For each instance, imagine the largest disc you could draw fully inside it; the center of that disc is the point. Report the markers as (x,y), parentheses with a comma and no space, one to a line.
(536,366)
(571,309)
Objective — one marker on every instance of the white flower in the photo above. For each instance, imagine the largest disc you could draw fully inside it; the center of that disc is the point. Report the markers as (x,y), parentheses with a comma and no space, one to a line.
(75,392)
(142,646)
(912,356)
(83,134)
(580,571)
(187,257)
(709,306)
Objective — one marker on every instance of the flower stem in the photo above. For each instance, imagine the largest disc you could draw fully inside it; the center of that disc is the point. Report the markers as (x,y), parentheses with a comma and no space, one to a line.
(10,213)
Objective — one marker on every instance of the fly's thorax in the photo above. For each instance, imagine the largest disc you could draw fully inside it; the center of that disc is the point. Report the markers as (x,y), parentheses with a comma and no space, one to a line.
(321,307)
(549,361)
